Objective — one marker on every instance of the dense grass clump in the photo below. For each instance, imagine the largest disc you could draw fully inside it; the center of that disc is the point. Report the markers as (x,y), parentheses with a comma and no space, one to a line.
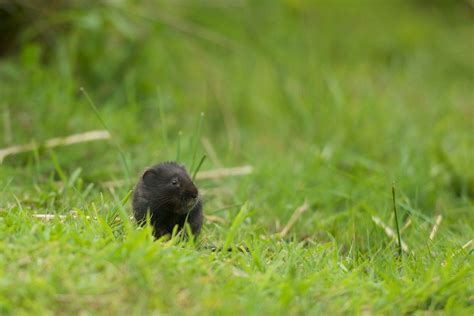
(329,103)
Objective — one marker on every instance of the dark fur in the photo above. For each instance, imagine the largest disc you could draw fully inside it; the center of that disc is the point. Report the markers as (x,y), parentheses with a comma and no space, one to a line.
(169,195)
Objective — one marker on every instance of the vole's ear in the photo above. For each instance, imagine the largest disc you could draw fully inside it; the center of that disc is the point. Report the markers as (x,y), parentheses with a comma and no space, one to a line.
(182,167)
(149,176)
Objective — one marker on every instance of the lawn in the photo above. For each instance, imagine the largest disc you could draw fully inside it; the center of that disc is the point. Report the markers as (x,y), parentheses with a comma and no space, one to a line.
(322,106)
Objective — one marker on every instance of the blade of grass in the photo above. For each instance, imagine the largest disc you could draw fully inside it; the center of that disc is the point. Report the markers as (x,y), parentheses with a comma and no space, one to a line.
(396,221)
(196,138)
(390,233)
(238,220)
(114,142)
(198,166)
(294,218)
(58,168)
(435,228)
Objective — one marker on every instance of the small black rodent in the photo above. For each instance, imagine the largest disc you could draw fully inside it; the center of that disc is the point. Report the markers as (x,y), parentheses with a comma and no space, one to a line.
(167,192)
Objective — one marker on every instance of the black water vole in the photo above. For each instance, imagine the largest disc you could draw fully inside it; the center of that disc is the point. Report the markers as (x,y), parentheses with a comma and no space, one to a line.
(167,192)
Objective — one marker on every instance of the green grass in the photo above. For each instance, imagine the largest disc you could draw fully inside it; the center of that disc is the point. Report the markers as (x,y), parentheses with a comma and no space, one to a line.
(330,103)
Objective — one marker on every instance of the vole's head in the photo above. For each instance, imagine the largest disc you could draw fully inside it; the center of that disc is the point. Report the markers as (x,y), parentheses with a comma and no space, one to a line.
(169,186)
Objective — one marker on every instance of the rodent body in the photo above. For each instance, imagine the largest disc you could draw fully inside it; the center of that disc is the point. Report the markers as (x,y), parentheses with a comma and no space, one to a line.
(167,193)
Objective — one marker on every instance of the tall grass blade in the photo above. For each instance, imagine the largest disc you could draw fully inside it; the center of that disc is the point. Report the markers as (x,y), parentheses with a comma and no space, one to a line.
(115,143)
(239,219)
(396,221)
(199,166)
(196,138)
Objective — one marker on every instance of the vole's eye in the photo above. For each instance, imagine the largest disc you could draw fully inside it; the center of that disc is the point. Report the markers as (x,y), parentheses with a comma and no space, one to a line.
(174,181)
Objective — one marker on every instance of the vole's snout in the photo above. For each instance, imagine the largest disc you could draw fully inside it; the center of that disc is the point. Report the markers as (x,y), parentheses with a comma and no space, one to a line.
(192,197)
(193,193)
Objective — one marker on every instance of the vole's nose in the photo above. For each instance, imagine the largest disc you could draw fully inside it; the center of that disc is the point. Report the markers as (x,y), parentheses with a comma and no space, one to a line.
(193,193)
(192,198)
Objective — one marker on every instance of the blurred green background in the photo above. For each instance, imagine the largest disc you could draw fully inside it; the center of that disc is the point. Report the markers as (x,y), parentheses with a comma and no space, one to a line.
(308,91)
